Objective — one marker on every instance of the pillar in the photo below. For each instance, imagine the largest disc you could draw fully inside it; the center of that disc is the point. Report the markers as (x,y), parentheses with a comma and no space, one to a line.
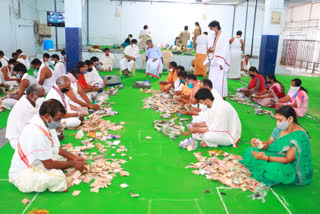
(73,29)
(270,36)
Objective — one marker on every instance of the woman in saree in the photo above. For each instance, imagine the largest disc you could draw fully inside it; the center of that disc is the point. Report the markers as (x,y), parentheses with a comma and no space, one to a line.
(269,97)
(286,157)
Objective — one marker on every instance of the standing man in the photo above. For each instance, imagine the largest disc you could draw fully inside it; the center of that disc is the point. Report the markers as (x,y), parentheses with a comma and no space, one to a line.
(196,33)
(60,68)
(236,46)
(184,37)
(218,48)
(154,63)
(130,53)
(144,36)
(201,45)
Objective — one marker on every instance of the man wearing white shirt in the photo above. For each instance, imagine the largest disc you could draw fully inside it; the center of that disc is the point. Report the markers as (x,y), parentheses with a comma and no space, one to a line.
(60,68)
(107,60)
(23,59)
(3,59)
(130,55)
(22,112)
(201,55)
(92,76)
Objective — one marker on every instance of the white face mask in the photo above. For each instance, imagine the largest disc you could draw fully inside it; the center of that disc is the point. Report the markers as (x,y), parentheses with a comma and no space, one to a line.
(11,66)
(293,90)
(134,45)
(203,107)
(171,69)
(283,125)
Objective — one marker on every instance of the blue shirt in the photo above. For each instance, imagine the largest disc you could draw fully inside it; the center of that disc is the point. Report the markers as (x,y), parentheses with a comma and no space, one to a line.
(154,53)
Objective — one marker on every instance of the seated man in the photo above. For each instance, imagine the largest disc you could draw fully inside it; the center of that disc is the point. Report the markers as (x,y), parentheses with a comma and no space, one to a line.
(130,55)
(297,98)
(77,94)
(45,75)
(154,63)
(245,65)
(222,125)
(34,167)
(60,68)
(63,56)
(74,115)
(22,112)
(90,90)
(26,81)
(14,55)
(3,59)
(92,76)
(171,78)
(23,59)
(45,59)
(107,60)
(256,83)
(7,75)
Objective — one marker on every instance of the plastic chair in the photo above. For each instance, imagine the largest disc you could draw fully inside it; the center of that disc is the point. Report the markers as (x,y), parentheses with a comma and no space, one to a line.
(133,70)
(166,55)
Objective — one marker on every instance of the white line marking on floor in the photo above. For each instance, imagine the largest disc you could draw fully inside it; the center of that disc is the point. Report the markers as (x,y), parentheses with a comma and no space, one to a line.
(280,201)
(30,203)
(224,205)
(149,206)
(196,201)
(4,179)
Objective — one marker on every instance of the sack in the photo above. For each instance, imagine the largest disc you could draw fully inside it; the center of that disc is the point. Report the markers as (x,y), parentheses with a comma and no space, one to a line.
(112,79)
(142,84)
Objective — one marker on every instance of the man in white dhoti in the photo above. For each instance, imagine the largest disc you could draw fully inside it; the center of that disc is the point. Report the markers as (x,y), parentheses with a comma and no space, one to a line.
(7,75)
(107,60)
(27,80)
(218,49)
(131,54)
(23,111)
(3,59)
(154,61)
(236,46)
(45,74)
(74,114)
(60,68)
(222,125)
(77,95)
(34,167)
(92,76)
(23,58)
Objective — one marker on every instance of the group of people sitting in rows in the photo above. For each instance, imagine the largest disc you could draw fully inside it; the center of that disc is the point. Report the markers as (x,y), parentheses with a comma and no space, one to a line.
(215,122)
(269,92)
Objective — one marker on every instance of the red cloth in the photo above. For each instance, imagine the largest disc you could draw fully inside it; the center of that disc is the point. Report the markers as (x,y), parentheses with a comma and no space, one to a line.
(253,81)
(83,81)
(279,93)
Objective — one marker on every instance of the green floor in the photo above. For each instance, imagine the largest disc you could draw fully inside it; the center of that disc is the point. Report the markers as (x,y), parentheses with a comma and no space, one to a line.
(157,170)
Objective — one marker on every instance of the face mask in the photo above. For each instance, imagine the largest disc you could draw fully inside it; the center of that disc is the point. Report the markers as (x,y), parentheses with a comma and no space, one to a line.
(203,107)
(294,89)
(268,82)
(11,66)
(89,69)
(54,124)
(134,46)
(39,102)
(65,90)
(170,69)
(283,125)
(36,70)
(84,72)
(18,75)
(183,81)
(251,75)
(190,85)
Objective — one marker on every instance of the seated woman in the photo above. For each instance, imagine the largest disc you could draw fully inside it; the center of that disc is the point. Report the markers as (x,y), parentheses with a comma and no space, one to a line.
(286,157)
(269,97)
(171,78)
(127,41)
(297,98)
(256,83)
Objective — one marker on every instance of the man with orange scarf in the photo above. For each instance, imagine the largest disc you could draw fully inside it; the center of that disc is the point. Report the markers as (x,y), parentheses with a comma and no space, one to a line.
(219,55)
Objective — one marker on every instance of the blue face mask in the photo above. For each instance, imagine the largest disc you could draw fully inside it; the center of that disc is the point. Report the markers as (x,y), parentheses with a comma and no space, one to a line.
(183,81)
(84,72)
(36,70)
(18,75)
(190,85)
